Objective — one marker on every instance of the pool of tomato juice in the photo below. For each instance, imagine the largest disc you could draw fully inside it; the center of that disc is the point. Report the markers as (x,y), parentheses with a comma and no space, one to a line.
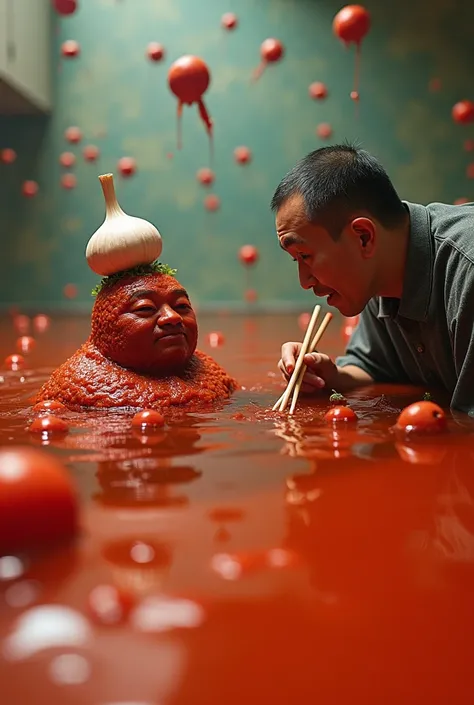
(259,558)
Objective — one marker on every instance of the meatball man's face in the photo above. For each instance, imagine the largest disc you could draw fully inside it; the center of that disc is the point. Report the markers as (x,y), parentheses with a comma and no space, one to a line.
(145,323)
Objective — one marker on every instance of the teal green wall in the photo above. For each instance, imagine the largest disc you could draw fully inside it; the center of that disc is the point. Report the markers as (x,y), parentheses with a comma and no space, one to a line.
(113,89)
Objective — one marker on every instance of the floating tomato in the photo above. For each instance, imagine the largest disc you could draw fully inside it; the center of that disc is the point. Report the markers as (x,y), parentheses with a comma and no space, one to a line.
(148,418)
(49,405)
(37,499)
(340,413)
(216,339)
(422,417)
(15,362)
(205,176)
(25,344)
(110,605)
(248,254)
(49,424)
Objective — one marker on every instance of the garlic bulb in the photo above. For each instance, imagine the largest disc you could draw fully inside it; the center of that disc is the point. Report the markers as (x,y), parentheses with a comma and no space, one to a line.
(122,241)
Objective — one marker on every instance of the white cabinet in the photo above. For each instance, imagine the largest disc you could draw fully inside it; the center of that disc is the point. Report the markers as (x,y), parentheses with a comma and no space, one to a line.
(25,55)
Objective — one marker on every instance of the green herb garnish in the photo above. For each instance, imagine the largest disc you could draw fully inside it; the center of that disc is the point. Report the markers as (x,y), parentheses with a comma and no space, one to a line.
(427,396)
(139,271)
(336,396)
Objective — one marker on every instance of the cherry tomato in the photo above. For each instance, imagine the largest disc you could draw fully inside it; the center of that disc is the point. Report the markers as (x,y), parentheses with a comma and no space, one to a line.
(38,500)
(148,418)
(49,405)
(48,424)
(109,605)
(15,363)
(340,413)
(422,417)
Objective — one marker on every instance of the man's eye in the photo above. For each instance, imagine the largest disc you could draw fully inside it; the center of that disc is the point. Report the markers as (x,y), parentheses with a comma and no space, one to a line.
(145,308)
(183,307)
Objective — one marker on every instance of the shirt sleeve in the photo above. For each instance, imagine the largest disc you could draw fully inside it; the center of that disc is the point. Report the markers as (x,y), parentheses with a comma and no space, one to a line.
(460,317)
(371,348)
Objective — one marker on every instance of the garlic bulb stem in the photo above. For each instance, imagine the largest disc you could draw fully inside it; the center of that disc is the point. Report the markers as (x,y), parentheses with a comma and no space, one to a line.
(122,241)
(111,204)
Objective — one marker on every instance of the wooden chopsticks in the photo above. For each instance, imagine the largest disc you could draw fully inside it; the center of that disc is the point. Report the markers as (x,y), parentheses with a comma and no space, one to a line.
(310,342)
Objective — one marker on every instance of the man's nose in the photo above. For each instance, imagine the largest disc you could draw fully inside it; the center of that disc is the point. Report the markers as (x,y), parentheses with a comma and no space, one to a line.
(168,316)
(307,280)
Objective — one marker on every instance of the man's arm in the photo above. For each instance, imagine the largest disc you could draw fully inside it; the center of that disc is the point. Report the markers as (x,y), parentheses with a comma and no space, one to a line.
(460,318)
(370,354)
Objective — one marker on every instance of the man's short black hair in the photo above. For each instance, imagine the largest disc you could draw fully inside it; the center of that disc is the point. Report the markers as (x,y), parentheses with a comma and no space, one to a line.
(337,181)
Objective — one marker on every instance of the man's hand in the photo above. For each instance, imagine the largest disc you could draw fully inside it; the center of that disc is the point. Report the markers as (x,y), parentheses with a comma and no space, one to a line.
(321,371)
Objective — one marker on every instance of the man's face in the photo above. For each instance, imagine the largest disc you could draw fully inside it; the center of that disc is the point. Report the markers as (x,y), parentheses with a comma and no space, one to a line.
(340,270)
(154,328)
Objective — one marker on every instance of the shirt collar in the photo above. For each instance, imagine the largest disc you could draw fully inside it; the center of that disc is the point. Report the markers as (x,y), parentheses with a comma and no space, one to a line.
(414,303)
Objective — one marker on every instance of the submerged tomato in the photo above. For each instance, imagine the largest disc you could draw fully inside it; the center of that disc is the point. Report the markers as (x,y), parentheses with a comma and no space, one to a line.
(37,499)
(422,417)
(340,413)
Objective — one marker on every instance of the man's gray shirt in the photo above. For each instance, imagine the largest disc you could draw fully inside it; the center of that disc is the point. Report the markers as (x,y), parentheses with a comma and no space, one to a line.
(426,337)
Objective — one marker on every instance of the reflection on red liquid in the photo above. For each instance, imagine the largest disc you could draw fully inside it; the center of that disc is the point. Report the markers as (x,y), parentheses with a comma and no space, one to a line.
(345,558)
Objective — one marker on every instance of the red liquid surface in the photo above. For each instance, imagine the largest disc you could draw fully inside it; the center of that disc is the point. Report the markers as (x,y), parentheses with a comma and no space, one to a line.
(257,558)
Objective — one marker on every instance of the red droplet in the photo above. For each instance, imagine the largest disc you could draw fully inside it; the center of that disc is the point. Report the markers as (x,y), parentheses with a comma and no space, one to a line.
(68,181)
(250,295)
(470,171)
(351,24)
(169,155)
(127,166)
(25,344)
(229,20)
(248,254)
(271,51)
(49,405)
(65,7)
(70,291)
(188,79)
(216,339)
(21,323)
(461,201)
(15,363)
(148,418)
(110,606)
(91,153)
(434,85)
(70,49)
(242,155)
(49,424)
(73,134)
(205,176)
(349,326)
(463,112)
(303,320)
(324,130)
(67,159)
(41,323)
(8,156)
(340,413)
(29,189)
(212,202)
(317,91)
(155,51)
